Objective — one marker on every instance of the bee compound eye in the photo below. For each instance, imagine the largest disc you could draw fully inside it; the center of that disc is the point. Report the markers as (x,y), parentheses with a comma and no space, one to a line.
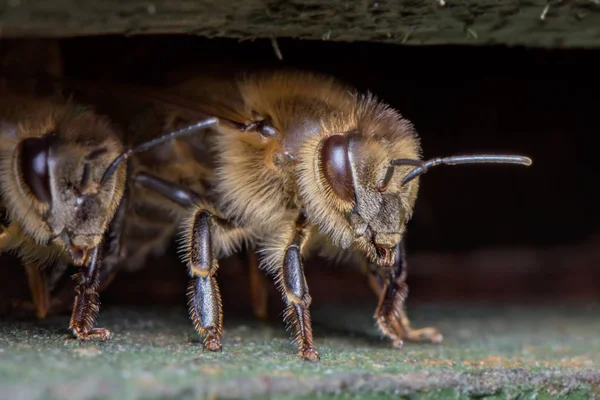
(34,167)
(335,166)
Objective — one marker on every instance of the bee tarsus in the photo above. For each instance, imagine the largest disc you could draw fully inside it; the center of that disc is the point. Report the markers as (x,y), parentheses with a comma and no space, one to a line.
(87,302)
(390,313)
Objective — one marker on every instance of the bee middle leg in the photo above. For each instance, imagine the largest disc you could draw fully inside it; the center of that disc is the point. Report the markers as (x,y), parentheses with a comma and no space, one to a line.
(87,302)
(292,282)
(204,297)
(390,286)
(206,230)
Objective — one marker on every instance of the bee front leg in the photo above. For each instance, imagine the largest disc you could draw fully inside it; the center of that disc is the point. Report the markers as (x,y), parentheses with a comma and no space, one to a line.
(204,297)
(390,286)
(87,302)
(101,270)
(292,282)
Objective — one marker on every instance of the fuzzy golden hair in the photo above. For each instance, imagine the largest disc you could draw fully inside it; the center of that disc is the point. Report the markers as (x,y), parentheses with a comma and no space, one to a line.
(261,182)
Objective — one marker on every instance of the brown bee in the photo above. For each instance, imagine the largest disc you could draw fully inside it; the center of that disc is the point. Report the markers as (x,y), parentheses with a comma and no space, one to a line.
(62,176)
(150,220)
(301,163)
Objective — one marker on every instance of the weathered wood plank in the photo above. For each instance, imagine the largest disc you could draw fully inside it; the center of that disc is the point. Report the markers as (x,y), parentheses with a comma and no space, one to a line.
(555,23)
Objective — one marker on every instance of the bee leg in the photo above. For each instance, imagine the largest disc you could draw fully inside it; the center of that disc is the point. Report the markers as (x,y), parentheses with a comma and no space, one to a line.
(295,290)
(87,302)
(38,287)
(375,280)
(390,313)
(204,297)
(42,284)
(258,287)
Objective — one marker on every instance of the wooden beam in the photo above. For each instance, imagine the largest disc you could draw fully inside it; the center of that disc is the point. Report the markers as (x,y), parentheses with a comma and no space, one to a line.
(548,23)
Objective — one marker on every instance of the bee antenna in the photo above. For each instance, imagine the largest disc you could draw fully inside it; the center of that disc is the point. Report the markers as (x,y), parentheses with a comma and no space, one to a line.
(188,130)
(423,166)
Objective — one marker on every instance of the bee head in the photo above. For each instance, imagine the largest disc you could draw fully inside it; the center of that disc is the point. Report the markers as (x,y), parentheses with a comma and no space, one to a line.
(60,173)
(351,168)
(365,180)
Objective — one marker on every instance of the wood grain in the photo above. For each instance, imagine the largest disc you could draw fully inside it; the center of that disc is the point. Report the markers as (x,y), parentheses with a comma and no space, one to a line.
(557,23)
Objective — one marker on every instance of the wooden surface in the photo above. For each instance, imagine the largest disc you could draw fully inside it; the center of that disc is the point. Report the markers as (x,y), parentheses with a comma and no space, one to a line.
(488,352)
(556,23)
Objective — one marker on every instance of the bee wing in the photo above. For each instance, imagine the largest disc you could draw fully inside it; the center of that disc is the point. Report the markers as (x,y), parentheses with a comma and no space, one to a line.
(200,97)
(192,100)
(215,97)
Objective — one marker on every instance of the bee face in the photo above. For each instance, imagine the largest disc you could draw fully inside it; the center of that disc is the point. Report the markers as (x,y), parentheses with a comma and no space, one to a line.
(60,176)
(352,166)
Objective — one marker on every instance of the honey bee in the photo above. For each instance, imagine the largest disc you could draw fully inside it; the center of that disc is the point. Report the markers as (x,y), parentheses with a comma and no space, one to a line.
(63,179)
(301,163)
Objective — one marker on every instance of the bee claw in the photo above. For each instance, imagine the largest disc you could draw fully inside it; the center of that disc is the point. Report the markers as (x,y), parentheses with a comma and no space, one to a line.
(419,335)
(93,335)
(437,338)
(213,344)
(310,354)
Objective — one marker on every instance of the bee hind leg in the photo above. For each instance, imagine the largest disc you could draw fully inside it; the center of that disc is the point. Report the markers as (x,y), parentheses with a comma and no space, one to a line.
(390,314)
(87,302)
